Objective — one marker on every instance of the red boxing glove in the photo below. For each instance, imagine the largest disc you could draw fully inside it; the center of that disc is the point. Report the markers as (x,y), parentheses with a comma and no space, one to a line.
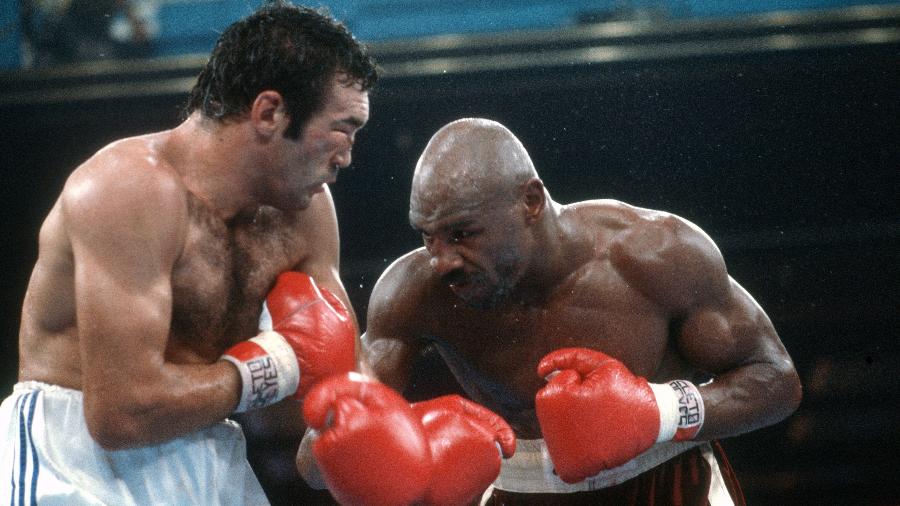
(308,334)
(595,414)
(371,447)
(464,438)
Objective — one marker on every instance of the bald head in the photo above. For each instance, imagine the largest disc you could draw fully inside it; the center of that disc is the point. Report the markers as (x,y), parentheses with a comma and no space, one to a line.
(469,163)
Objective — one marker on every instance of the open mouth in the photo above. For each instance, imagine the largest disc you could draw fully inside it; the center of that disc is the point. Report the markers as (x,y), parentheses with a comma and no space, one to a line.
(458,286)
(455,279)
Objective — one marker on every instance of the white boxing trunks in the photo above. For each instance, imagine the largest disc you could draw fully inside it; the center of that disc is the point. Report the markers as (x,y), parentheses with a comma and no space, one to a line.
(49,458)
(530,470)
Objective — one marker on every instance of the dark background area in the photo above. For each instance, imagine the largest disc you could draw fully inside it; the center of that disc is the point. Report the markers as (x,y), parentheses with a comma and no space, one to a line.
(789,159)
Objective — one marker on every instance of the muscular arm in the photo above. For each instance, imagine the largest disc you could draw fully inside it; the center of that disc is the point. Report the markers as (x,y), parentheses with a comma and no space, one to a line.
(318,225)
(383,352)
(391,342)
(719,328)
(755,383)
(275,431)
(127,227)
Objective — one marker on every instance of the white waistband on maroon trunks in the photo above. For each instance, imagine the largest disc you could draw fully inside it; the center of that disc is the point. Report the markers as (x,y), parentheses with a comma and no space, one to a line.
(530,470)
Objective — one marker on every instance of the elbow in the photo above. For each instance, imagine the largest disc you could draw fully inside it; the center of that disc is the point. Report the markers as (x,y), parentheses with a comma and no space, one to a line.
(112,427)
(789,392)
(794,390)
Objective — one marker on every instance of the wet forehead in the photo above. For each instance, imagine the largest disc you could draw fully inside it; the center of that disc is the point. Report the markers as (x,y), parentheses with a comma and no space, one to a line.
(444,203)
(434,214)
(431,211)
(348,103)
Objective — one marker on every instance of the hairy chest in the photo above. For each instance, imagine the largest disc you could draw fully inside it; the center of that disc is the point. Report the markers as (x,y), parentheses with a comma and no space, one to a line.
(223,275)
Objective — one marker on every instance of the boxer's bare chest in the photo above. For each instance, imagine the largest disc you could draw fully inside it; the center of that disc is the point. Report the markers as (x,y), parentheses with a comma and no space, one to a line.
(494,354)
(223,275)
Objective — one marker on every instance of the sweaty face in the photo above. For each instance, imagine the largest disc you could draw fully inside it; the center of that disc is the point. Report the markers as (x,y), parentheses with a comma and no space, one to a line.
(487,287)
(474,251)
(310,162)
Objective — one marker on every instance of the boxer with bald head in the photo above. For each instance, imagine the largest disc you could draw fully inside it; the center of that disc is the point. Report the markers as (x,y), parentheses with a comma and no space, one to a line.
(141,328)
(610,337)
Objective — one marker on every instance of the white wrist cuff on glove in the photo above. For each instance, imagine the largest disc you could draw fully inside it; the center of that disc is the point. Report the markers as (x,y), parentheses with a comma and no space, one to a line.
(268,367)
(681,410)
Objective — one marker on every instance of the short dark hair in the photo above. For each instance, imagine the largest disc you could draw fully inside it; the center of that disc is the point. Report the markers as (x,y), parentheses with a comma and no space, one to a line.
(293,50)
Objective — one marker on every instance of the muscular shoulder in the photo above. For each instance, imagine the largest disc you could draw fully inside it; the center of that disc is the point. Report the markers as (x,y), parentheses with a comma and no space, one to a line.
(666,257)
(122,171)
(318,225)
(124,189)
(400,294)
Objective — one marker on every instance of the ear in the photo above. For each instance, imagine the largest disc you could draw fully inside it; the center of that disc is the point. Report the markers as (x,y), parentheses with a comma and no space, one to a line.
(535,199)
(268,115)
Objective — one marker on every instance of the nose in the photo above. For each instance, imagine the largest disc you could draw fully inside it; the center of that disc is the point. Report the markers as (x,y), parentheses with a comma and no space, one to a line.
(343,158)
(444,258)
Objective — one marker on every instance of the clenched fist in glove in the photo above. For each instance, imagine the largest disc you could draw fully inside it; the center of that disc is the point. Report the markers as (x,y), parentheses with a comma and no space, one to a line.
(373,448)
(464,438)
(595,414)
(307,334)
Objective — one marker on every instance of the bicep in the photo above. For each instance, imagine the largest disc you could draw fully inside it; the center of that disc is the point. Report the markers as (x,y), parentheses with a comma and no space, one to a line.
(386,359)
(383,347)
(730,332)
(390,341)
(319,228)
(123,254)
(721,326)
(754,380)
(120,307)
(321,260)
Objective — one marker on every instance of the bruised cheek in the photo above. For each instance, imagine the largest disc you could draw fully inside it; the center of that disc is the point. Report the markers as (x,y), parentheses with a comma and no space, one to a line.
(315,150)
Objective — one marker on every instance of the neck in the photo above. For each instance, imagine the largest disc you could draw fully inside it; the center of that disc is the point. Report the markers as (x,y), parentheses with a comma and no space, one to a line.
(214,163)
(557,253)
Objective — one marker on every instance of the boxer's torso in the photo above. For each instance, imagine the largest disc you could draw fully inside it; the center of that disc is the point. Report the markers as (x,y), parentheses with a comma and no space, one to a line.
(223,275)
(494,353)
(218,283)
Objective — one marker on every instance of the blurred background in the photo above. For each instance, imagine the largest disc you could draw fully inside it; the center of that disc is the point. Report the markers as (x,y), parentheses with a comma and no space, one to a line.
(773,125)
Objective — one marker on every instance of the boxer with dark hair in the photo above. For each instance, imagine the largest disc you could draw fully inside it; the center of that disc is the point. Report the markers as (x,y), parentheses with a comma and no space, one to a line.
(141,328)
(611,338)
